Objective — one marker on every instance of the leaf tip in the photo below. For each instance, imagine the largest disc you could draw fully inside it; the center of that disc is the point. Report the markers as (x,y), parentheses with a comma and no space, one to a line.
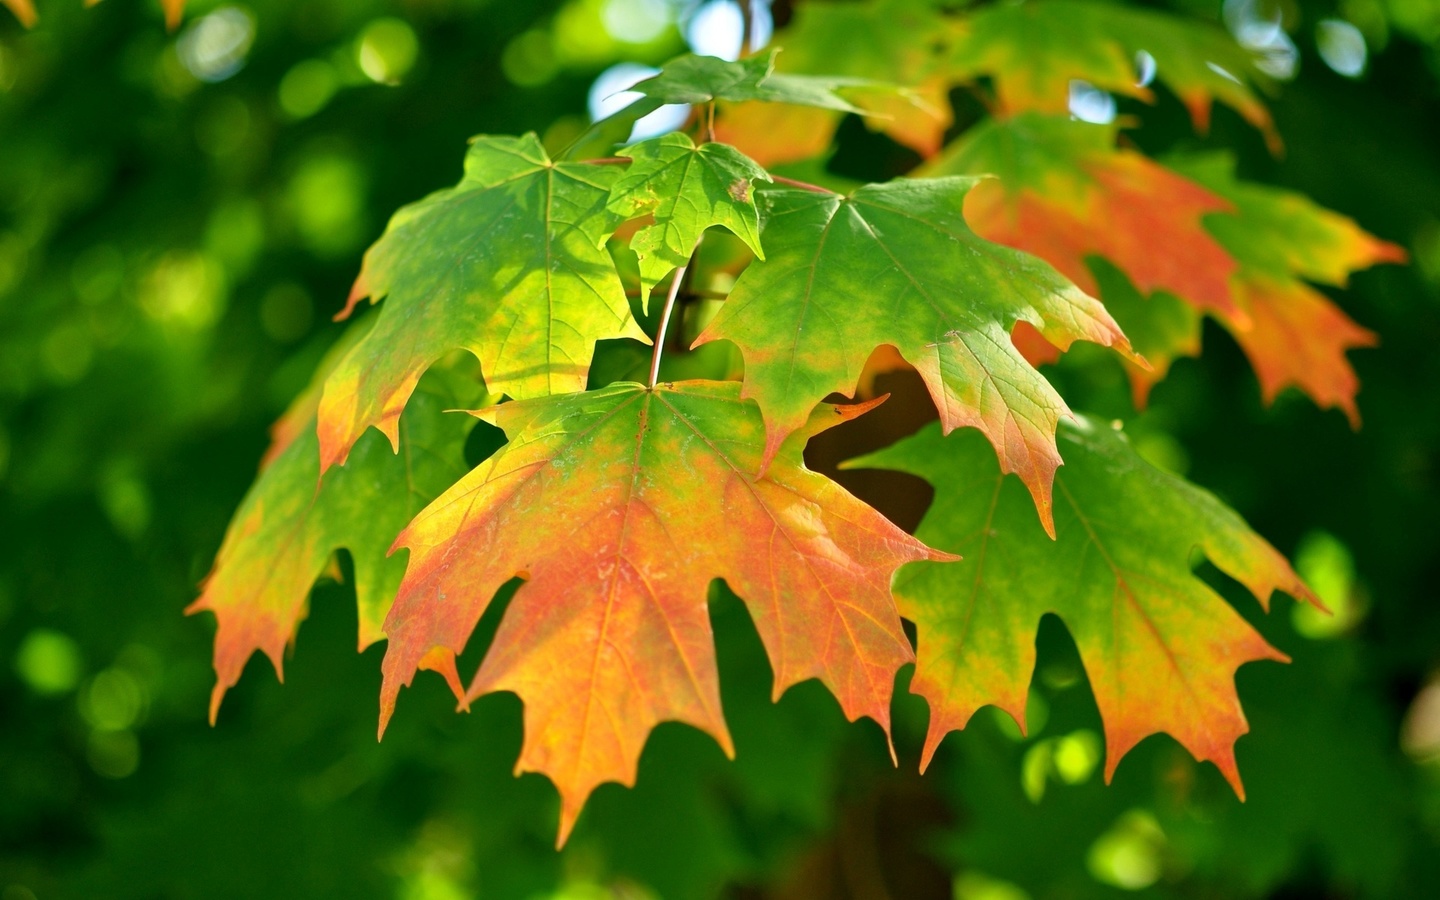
(358,291)
(1225,762)
(217,696)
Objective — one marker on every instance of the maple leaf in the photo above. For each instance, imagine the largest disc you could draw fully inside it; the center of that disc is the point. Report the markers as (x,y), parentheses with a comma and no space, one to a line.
(896,264)
(287,530)
(510,264)
(1033,51)
(686,189)
(905,43)
(1059,178)
(1292,334)
(619,507)
(1160,646)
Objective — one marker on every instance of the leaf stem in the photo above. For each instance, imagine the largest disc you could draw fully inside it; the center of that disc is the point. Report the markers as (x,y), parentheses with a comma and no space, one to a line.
(665,317)
(802,185)
(710,122)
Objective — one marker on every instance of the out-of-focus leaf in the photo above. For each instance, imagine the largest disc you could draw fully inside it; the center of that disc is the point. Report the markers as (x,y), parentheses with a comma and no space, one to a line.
(1292,333)
(1033,50)
(24,10)
(905,42)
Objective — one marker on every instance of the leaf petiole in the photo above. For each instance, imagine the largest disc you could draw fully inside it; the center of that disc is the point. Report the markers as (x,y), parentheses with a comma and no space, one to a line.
(669,308)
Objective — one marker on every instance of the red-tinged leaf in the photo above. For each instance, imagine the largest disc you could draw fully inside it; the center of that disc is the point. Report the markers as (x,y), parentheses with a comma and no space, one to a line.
(291,524)
(24,10)
(1065,193)
(1282,232)
(905,43)
(1292,334)
(1033,51)
(619,507)
(1160,647)
(896,264)
(510,264)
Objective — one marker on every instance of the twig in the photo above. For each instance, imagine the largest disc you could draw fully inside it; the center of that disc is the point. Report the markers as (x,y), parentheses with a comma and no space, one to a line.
(747,26)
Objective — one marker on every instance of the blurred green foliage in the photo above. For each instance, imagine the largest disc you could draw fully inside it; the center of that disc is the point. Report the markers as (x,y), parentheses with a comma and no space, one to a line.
(181,214)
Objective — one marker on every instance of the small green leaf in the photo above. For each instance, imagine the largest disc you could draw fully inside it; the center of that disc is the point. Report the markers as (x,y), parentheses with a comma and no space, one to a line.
(687,189)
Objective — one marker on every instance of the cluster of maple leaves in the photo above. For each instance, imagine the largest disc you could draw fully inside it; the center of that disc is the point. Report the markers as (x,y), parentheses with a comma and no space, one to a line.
(618,504)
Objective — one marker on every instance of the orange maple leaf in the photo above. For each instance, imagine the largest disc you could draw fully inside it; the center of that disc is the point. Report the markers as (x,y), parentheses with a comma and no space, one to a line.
(619,507)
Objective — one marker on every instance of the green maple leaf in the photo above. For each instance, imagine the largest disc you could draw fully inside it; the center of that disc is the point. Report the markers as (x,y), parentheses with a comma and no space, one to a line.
(896,264)
(1160,646)
(619,507)
(686,189)
(509,264)
(292,522)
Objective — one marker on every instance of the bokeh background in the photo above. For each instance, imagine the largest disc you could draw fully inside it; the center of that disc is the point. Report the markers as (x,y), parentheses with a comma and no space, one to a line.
(181,214)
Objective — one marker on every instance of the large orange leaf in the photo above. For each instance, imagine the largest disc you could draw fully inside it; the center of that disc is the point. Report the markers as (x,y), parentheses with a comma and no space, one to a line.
(896,264)
(619,507)
(1160,647)
(1066,193)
